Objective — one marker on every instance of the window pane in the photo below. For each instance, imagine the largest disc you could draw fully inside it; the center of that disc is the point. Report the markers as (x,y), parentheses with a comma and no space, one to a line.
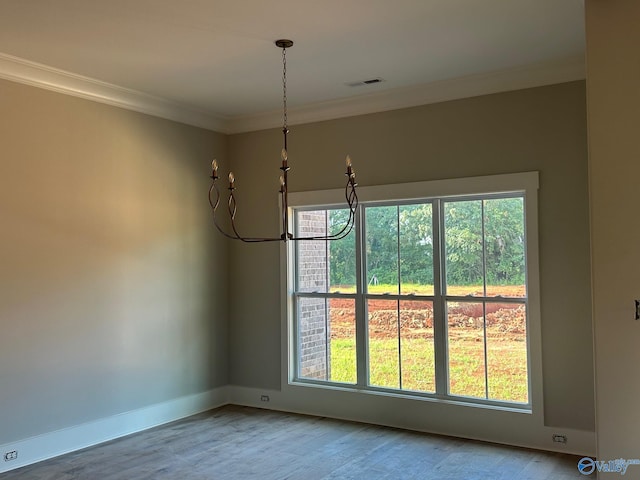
(325,265)
(465,337)
(342,254)
(384,350)
(505,247)
(463,248)
(313,334)
(416,346)
(416,249)
(342,315)
(312,271)
(382,249)
(326,339)
(507,352)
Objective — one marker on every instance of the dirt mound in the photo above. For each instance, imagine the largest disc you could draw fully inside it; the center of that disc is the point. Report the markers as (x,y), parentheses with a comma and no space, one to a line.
(416,319)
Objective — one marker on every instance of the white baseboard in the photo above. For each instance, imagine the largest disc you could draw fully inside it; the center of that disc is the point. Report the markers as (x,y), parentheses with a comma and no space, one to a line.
(351,406)
(59,442)
(483,424)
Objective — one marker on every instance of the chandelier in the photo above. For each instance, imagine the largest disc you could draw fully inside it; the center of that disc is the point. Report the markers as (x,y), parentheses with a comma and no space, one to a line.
(285,235)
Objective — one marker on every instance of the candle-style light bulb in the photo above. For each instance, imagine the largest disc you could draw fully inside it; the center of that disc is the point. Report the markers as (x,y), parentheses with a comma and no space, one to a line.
(214,168)
(348,161)
(231,179)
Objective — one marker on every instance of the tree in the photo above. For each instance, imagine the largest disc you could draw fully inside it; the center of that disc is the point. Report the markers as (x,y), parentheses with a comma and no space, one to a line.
(342,253)
(482,238)
(493,227)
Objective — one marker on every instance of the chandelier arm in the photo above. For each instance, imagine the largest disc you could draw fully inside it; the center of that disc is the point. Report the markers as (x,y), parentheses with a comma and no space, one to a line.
(352,200)
(350,195)
(214,206)
(232,208)
(284,191)
(338,236)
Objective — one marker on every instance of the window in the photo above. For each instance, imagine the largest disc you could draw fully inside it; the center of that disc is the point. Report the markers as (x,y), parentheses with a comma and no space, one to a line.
(425,297)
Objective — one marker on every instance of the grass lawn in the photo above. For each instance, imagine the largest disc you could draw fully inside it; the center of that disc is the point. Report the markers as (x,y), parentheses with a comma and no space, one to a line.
(408,363)
(506,363)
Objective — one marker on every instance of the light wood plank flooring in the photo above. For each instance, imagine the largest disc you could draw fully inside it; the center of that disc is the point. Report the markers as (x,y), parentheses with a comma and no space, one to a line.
(246,443)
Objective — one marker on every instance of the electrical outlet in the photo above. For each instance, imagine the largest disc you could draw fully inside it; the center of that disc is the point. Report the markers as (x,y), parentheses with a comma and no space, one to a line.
(12,455)
(557,438)
(264,398)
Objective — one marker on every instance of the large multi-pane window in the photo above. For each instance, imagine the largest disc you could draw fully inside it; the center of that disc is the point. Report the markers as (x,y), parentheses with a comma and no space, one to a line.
(425,297)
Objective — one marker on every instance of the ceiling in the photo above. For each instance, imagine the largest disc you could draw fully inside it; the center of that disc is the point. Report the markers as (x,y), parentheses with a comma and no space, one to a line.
(216,59)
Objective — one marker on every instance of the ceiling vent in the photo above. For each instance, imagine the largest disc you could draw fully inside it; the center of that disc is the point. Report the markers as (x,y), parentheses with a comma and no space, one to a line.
(369,81)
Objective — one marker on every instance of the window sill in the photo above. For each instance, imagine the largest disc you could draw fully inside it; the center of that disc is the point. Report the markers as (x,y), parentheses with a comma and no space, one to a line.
(415,396)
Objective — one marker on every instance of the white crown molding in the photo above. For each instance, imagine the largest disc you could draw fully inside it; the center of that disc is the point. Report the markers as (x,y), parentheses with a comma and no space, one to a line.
(548,73)
(42,76)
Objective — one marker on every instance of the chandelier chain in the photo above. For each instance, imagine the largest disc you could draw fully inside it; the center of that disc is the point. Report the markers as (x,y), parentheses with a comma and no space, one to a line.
(284,87)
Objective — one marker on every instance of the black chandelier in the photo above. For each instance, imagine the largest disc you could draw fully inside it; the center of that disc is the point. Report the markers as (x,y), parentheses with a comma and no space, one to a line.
(349,189)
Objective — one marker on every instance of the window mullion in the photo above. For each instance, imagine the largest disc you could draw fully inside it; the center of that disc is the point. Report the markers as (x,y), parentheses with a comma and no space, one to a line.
(484,303)
(327,289)
(360,306)
(439,310)
(398,301)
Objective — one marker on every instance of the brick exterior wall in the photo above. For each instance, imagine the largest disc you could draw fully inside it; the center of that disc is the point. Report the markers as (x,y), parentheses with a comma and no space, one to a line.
(313,313)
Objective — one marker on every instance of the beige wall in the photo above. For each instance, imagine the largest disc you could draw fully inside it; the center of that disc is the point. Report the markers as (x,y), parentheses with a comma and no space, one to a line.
(540,129)
(613,79)
(113,284)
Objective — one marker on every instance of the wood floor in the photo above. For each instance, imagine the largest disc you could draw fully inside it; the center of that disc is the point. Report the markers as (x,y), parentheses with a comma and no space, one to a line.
(245,443)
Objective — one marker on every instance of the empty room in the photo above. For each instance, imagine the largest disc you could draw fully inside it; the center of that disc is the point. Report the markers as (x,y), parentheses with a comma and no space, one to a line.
(416,259)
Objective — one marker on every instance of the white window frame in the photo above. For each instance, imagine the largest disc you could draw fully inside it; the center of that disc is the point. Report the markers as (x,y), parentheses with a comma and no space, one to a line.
(521,183)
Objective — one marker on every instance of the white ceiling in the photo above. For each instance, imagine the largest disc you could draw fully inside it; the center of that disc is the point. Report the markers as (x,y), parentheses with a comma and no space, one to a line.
(217,58)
